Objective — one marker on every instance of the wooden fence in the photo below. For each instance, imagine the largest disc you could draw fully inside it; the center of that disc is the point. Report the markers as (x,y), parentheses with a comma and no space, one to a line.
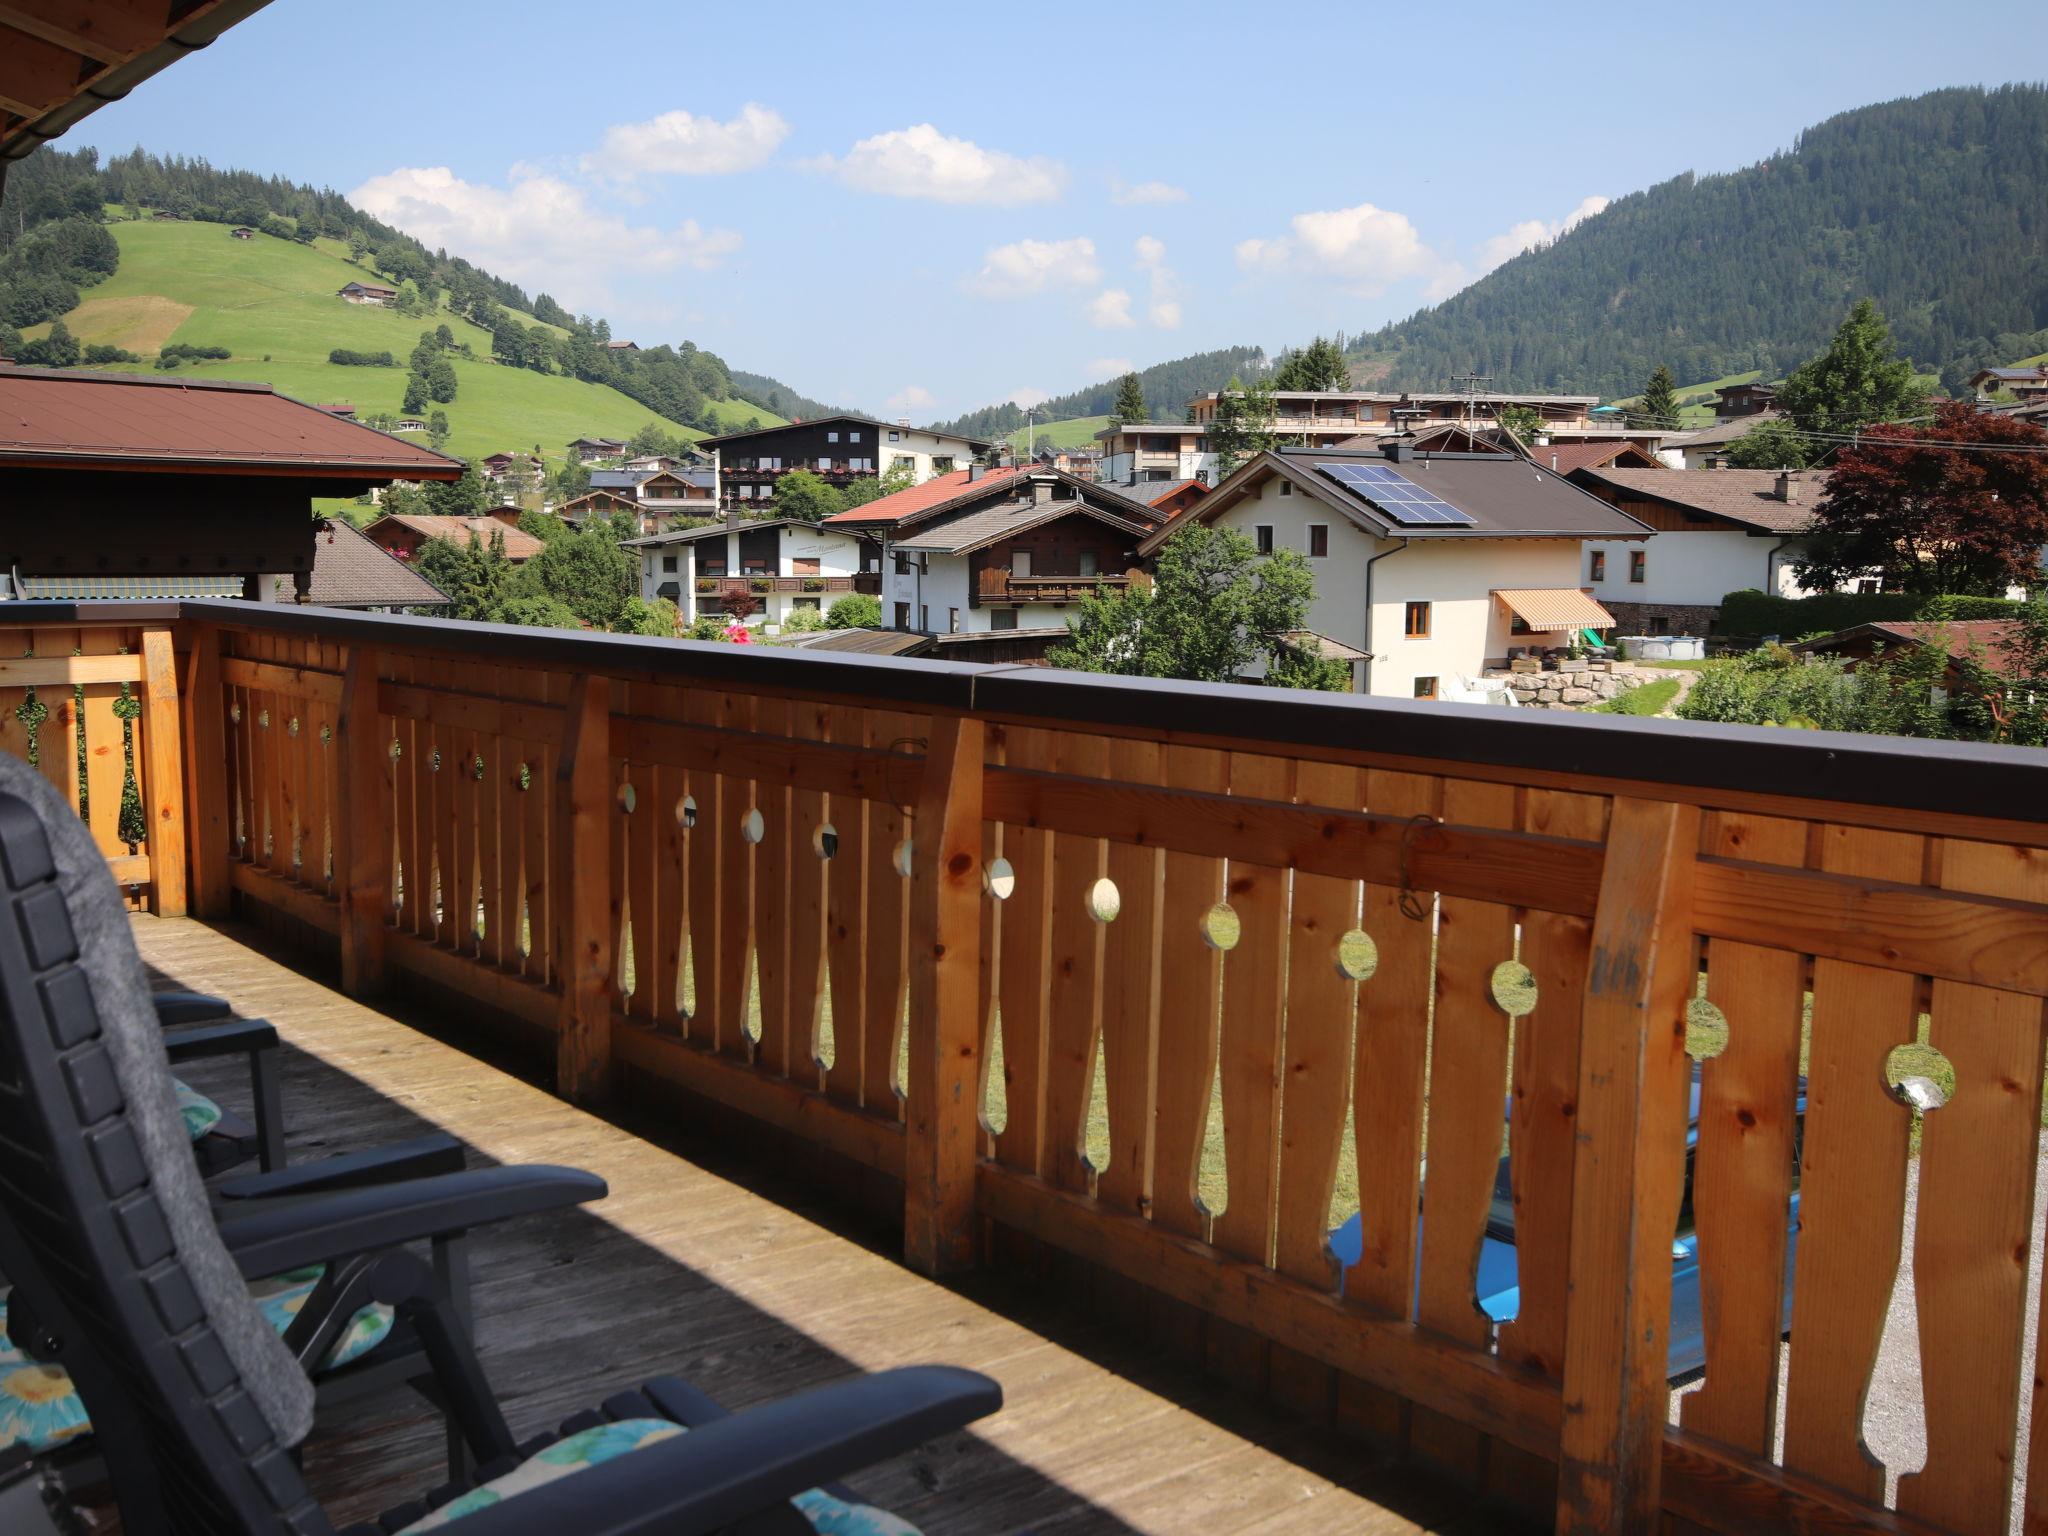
(1269,934)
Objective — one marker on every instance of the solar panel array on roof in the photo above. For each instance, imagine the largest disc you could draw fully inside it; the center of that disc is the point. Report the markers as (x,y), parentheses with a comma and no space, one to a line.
(1396,495)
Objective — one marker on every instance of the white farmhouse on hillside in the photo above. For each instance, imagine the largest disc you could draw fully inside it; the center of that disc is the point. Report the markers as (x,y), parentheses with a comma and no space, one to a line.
(782,565)
(1432,565)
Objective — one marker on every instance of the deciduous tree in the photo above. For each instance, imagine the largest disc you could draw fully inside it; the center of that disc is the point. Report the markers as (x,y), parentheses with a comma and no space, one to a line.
(1932,515)
(1243,427)
(1773,444)
(803,494)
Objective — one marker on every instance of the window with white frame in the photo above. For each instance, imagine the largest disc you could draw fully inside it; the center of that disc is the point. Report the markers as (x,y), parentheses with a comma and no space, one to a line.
(831,437)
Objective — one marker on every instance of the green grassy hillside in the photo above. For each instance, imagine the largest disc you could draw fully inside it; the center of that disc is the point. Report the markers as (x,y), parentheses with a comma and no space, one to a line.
(272,303)
(1078,432)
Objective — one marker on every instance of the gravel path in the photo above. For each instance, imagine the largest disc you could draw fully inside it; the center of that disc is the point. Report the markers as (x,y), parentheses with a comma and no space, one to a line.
(1893,1426)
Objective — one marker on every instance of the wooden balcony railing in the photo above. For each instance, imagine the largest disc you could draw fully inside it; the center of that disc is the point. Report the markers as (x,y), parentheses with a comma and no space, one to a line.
(997,585)
(1102,970)
(860,581)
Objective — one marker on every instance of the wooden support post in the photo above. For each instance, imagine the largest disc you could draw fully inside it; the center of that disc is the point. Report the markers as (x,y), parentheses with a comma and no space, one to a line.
(1628,1168)
(362,825)
(206,757)
(579,892)
(164,774)
(943,1130)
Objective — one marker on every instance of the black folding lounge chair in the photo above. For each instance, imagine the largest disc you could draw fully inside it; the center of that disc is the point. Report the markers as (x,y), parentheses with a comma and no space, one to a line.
(126,1286)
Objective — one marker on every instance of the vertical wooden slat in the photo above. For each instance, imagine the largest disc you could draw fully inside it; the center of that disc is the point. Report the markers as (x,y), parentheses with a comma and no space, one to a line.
(447,771)
(1315,1080)
(537,837)
(1130,997)
(580,877)
(208,775)
(773,867)
(942,1129)
(1970,1253)
(808,873)
(888,896)
(1074,990)
(470,796)
(1468,1084)
(1628,1172)
(1191,975)
(1545,1085)
(160,746)
(671,865)
(497,856)
(362,831)
(708,900)
(1853,1175)
(1742,1190)
(105,763)
(58,758)
(1024,984)
(1393,1050)
(846,878)
(739,864)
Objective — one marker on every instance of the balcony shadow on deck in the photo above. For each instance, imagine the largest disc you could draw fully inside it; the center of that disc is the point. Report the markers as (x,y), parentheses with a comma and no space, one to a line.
(755,1282)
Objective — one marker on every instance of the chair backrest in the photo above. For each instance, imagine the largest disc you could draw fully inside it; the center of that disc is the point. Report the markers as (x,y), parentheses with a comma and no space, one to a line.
(105,1230)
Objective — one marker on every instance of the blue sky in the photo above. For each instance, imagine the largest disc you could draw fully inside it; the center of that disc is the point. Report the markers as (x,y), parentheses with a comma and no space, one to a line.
(923,209)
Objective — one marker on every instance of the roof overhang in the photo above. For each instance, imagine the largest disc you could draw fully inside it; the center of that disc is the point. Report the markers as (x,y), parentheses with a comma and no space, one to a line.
(61,63)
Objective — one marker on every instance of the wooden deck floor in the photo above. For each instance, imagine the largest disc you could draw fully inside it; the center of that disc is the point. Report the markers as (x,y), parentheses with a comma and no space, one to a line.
(754,1290)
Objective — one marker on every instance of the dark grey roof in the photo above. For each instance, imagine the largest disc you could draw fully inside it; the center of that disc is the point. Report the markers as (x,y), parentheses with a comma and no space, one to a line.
(971,530)
(1748,497)
(864,642)
(1506,498)
(619,479)
(1147,493)
(351,571)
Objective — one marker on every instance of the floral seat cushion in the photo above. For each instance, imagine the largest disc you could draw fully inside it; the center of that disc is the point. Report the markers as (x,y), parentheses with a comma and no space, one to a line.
(40,1408)
(199,1112)
(829,1516)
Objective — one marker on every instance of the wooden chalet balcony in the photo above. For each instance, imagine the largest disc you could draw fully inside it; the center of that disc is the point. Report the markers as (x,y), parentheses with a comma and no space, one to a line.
(861,581)
(997,586)
(1088,979)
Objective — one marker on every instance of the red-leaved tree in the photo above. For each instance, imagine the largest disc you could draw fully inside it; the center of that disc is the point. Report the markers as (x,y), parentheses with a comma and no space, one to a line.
(1932,514)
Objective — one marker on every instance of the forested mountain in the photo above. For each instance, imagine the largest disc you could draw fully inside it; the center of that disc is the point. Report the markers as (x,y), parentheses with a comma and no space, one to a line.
(1168,388)
(1936,206)
(778,398)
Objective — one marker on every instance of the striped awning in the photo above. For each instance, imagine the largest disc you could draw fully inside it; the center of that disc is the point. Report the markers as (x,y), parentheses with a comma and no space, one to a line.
(75,589)
(1555,608)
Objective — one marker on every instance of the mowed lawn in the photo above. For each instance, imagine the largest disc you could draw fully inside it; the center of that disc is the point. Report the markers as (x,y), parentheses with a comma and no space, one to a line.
(272,304)
(1077,433)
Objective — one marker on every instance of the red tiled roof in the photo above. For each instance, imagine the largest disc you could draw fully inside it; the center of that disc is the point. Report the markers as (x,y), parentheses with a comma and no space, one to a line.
(519,544)
(919,498)
(1566,457)
(57,418)
(1994,642)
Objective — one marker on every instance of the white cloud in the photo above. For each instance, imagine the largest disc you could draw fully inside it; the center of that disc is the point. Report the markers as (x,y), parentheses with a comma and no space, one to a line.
(912,397)
(1110,367)
(1031,266)
(1366,249)
(1534,232)
(683,144)
(1164,310)
(1111,310)
(537,229)
(923,162)
(1025,399)
(1125,195)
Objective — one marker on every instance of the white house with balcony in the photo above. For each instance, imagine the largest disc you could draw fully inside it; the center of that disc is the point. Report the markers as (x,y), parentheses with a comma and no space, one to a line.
(997,550)
(1433,566)
(781,565)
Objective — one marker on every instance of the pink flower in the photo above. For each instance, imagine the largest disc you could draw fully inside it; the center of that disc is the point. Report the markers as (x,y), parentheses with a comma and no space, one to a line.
(737,634)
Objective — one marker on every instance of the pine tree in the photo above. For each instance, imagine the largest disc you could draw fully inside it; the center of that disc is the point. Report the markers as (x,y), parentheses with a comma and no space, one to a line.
(1858,381)
(1243,427)
(1659,404)
(1130,401)
(1319,365)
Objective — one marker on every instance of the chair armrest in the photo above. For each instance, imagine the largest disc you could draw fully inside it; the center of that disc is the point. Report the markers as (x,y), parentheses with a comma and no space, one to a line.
(229,1037)
(176,1009)
(272,1237)
(712,1477)
(418,1158)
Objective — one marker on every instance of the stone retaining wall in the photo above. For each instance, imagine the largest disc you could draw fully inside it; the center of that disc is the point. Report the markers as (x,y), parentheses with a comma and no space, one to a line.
(1574,685)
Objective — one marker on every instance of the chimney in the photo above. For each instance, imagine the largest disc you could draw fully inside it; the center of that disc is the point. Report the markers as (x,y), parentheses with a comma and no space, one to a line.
(1788,486)
(974,473)
(902,421)
(1398,450)
(1717,461)
(1041,491)
(1553,463)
